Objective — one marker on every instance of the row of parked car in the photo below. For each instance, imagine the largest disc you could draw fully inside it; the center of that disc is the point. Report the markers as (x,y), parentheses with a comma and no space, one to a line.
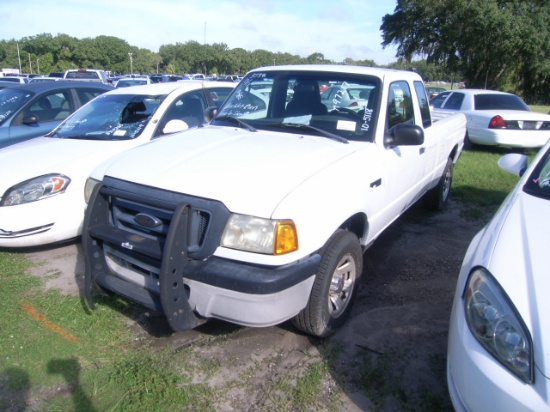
(499,329)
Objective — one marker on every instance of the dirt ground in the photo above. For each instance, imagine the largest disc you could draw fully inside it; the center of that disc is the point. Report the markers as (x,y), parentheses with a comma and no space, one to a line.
(390,356)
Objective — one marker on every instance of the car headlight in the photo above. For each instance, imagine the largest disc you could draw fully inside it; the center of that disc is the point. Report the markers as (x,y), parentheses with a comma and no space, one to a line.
(89,188)
(496,324)
(258,235)
(35,189)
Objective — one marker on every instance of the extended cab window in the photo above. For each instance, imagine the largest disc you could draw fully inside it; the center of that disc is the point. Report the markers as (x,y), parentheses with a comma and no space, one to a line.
(423,103)
(400,108)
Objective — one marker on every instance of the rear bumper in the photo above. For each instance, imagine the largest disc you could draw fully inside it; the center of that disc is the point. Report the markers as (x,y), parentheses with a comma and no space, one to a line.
(509,138)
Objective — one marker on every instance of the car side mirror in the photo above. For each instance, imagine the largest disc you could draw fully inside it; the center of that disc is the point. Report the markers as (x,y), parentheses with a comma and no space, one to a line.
(174,126)
(404,134)
(515,163)
(210,113)
(29,119)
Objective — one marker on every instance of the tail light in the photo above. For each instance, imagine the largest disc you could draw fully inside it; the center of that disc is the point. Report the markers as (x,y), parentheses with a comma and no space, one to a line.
(497,122)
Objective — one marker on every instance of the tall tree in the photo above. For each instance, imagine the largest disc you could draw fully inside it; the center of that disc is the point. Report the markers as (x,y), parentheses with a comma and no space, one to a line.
(492,42)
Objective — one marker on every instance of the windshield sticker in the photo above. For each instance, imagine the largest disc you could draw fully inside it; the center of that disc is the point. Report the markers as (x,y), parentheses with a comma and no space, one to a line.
(346,125)
(298,119)
(119,132)
(367,117)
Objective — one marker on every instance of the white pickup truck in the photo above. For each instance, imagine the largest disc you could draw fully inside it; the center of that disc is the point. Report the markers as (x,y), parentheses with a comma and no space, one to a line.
(264,215)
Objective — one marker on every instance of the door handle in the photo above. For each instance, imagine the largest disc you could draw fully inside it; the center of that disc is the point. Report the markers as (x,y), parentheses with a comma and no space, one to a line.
(422,150)
(376,183)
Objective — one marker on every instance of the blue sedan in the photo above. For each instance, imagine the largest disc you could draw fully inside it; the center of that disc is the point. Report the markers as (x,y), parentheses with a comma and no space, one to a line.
(35,109)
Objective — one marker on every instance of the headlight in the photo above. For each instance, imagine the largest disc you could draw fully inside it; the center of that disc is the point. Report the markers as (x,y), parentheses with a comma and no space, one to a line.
(258,235)
(89,188)
(35,189)
(496,324)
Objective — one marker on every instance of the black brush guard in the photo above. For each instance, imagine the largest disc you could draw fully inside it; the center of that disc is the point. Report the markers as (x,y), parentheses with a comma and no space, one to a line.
(173,301)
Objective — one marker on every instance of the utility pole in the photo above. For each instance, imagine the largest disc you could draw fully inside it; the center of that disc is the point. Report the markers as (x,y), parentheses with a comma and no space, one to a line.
(131,68)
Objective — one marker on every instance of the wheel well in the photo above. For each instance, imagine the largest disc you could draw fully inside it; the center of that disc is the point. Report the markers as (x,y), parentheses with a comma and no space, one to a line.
(357,224)
(454,154)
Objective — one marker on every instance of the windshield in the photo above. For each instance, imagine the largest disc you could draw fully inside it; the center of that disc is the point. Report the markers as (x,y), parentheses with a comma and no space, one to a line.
(538,183)
(331,104)
(11,100)
(110,117)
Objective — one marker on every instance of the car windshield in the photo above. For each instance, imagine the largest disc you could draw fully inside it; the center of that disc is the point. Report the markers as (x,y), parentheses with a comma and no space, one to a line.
(110,117)
(499,102)
(11,100)
(293,101)
(538,183)
(131,82)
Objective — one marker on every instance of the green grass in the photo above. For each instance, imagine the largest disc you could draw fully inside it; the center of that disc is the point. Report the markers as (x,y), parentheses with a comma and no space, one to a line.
(480,183)
(54,349)
(540,109)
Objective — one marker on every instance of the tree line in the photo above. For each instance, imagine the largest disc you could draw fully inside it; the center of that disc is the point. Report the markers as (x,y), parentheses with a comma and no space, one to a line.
(47,53)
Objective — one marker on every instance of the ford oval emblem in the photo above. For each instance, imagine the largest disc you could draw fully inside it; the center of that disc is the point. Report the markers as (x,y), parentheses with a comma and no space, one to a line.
(147,221)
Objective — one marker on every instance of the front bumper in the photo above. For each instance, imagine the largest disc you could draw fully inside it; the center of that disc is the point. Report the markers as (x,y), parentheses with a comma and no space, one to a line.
(172,267)
(42,222)
(478,382)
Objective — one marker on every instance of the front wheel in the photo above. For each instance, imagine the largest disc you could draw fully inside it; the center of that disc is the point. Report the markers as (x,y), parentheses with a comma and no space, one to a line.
(438,197)
(334,288)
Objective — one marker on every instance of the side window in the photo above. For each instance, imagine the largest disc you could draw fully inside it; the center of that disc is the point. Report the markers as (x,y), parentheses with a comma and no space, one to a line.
(423,103)
(85,95)
(400,108)
(48,107)
(218,95)
(454,102)
(438,100)
(189,108)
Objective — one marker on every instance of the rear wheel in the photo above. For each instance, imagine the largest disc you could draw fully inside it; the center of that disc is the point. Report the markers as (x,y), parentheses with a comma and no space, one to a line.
(334,288)
(438,197)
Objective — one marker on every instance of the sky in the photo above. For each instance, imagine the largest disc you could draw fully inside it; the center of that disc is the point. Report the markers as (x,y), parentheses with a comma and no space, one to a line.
(337,29)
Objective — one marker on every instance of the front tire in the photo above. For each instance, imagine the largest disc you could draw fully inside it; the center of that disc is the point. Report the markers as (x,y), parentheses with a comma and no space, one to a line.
(334,288)
(438,197)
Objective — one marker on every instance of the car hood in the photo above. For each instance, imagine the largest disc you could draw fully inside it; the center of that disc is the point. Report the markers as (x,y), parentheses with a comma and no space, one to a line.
(44,155)
(519,262)
(229,165)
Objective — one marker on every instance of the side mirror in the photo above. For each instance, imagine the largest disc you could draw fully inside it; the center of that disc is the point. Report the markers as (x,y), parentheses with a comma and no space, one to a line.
(29,119)
(210,113)
(404,134)
(515,163)
(174,126)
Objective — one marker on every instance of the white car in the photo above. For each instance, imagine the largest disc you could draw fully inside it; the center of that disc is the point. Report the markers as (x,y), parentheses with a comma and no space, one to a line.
(499,337)
(42,185)
(494,118)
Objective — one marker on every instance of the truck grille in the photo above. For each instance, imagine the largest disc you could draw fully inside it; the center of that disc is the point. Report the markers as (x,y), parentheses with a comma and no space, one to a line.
(131,223)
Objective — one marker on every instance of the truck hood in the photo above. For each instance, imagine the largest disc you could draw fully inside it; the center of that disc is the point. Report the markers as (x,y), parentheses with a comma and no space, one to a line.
(44,155)
(229,164)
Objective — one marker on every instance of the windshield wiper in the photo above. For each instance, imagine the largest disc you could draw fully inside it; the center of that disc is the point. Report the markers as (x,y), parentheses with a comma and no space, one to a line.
(302,126)
(238,121)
